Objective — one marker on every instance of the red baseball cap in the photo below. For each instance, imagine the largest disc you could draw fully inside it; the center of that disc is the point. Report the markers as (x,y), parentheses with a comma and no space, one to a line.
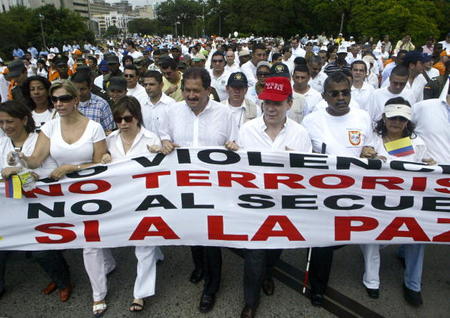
(277,89)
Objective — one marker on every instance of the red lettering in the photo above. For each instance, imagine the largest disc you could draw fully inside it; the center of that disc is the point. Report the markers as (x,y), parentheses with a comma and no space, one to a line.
(152,178)
(162,229)
(91,231)
(445,183)
(243,178)
(66,235)
(184,178)
(102,186)
(291,180)
(318,181)
(444,237)
(215,230)
(388,182)
(54,190)
(344,226)
(419,184)
(393,230)
(287,229)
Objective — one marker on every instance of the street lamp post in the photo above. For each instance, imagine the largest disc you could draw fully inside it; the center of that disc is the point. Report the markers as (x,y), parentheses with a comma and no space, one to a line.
(41,19)
(176,29)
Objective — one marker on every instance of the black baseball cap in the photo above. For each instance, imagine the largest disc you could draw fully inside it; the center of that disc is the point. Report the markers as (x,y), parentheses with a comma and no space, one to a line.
(237,79)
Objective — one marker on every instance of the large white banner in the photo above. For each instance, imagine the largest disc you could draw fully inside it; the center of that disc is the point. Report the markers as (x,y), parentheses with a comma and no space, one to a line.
(215,197)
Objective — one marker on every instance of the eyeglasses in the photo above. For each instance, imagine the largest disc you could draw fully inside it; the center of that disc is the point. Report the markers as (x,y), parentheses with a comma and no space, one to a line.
(62,98)
(129,75)
(344,92)
(217,61)
(128,119)
(399,118)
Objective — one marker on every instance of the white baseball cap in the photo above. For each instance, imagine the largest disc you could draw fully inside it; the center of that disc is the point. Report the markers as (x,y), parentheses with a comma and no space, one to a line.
(394,110)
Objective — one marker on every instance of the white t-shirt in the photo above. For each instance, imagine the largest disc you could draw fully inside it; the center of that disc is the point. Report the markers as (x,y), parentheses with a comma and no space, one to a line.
(381,96)
(6,146)
(313,97)
(420,150)
(363,95)
(318,81)
(135,54)
(139,93)
(253,136)
(41,118)
(220,83)
(297,110)
(249,69)
(143,139)
(343,135)
(432,119)
(80,151)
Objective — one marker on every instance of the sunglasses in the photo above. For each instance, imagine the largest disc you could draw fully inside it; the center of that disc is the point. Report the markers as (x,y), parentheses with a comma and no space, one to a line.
(62,98)
(217,61)
(128,119)
(262,73)
(129,75)
(344,92)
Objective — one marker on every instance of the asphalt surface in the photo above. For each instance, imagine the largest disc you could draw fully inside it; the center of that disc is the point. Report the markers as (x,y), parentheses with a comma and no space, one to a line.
(176,297)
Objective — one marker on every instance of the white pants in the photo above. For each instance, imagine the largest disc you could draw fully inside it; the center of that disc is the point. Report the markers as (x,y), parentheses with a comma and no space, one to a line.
(99,262)
(371,253)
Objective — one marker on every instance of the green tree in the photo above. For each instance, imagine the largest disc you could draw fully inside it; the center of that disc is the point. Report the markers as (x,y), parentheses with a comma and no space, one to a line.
(21,27)
(184,13)
(112,31)
(143,26)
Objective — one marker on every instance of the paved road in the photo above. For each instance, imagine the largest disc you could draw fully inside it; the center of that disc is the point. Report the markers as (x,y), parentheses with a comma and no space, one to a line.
(176,297)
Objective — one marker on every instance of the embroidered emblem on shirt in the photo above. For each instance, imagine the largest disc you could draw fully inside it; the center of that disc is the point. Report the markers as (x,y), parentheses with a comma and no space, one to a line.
(354,136)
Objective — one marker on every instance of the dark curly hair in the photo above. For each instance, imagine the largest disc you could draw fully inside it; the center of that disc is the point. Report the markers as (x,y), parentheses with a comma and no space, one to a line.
(26,90)
(380,127)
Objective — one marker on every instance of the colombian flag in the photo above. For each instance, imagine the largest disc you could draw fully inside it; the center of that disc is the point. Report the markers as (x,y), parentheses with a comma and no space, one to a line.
(400,147)
(13,187)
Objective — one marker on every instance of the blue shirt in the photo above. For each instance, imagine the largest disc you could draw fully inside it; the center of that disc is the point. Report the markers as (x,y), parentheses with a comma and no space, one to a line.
(97,109)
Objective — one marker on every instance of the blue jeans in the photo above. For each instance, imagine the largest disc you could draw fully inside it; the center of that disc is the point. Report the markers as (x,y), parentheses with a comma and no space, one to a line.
(413,255)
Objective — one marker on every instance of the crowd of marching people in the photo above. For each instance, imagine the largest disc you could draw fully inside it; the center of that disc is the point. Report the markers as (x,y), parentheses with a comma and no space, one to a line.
(66,109)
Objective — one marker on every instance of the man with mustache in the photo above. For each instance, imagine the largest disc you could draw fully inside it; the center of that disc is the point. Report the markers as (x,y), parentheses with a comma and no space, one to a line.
(196,122)
(336,130)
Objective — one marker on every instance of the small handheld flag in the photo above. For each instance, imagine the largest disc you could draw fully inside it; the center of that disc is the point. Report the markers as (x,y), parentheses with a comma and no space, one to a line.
(13,187)
(400,147)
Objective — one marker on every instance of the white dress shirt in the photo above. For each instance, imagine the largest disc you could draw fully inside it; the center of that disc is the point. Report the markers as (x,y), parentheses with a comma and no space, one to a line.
(139,93)
(143,139)
(253,136)
(220,83)
(249,69)
(212,127)
(363,95)
(152,113)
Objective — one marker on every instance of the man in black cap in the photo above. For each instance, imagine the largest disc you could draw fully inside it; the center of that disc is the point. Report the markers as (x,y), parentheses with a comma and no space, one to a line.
(117,88)
(17,74)
(242,108)
(113,65)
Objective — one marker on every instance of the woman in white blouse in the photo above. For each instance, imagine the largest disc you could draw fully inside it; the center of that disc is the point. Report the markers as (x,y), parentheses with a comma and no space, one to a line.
(18,124)
(130,140)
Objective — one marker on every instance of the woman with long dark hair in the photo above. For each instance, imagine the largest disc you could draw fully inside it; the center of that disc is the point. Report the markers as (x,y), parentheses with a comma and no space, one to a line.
(18,125)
